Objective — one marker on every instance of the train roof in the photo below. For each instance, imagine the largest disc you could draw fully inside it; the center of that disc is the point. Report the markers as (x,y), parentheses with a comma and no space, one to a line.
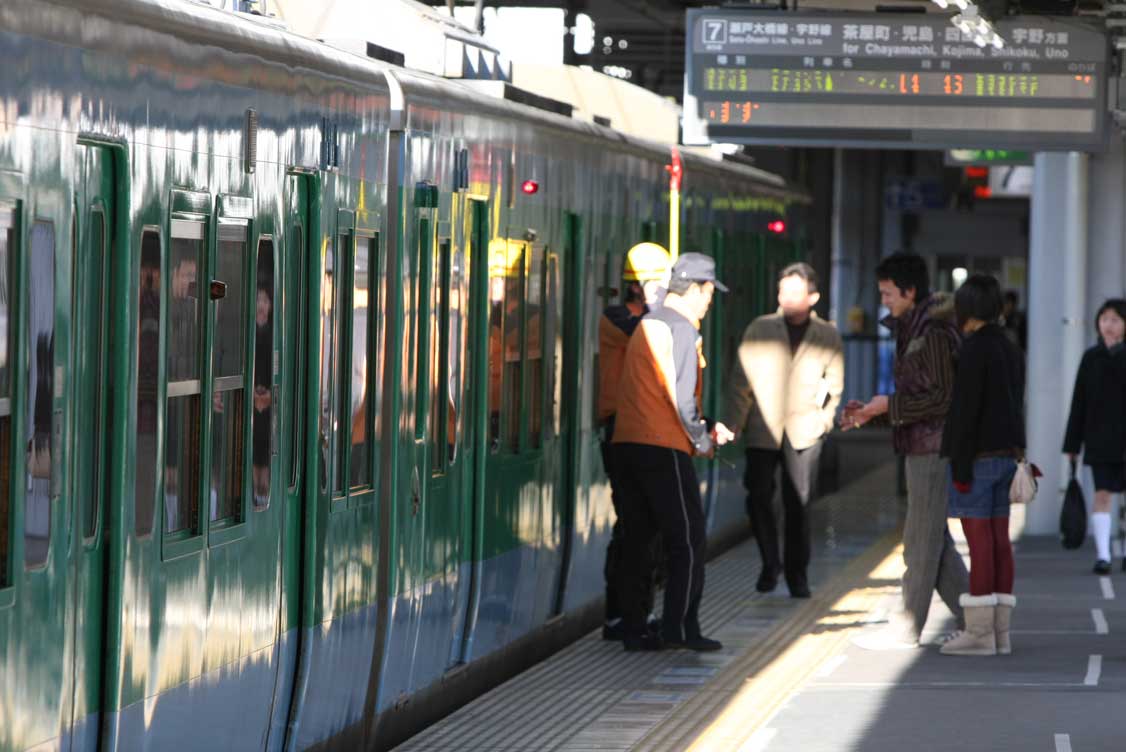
(69,21)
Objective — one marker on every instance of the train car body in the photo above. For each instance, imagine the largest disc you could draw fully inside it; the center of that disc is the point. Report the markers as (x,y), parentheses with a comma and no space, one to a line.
(297,383)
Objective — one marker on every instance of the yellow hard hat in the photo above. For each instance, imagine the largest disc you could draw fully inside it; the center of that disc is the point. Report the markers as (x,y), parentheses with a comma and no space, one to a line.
(504,257)
(646,262)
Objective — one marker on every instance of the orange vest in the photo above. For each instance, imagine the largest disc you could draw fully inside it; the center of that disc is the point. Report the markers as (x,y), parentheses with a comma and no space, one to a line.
(647,411)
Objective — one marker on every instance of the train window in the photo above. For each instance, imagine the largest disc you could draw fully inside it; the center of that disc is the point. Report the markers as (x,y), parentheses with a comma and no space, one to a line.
(95,390)
(456,349)
(440,410)
(293,347)
(228,354)
(182,370)
(514,311)
(360,406)
(264,407)
(328,363)
(148,353)
(7,251)
(536,320)
(39,438)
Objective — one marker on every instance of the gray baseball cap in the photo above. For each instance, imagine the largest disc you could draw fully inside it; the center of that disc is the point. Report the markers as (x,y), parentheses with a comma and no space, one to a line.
(698,268)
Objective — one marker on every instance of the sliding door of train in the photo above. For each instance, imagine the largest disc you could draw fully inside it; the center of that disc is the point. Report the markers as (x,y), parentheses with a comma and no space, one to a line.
(519,554)
(91,395)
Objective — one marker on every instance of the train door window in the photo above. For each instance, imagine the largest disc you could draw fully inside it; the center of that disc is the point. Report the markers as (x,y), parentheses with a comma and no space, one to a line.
(361,393)
(39,438)
(457,331)
(8,230)
(497,267)
(295,348)
(536,320)
(262,431)
(182,366)
(228,357)
(328,364)
(440,398)
(514,312)
(148,353)
(95,389)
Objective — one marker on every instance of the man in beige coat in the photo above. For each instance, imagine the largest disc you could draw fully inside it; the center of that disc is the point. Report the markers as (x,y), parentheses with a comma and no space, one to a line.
(783,393)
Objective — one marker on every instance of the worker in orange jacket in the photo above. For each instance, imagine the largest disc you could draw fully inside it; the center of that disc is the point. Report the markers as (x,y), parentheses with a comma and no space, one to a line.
(645,277)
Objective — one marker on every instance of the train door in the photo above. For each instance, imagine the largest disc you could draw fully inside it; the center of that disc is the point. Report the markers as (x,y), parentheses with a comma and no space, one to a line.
(293,438)
(35,580)
(88,447)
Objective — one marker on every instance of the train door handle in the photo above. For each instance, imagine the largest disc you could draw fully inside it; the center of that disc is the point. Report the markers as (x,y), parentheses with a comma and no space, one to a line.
(275,406)
(416,492)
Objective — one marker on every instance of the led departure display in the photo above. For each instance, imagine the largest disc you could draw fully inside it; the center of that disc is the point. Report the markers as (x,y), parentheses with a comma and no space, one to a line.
(892,80)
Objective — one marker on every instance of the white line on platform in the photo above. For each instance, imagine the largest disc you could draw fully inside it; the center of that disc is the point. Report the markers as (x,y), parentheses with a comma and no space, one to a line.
(1063,742)
(933,685)
(830,666)
(1108,588)
(759,740)
(1094,670)
(1099,618)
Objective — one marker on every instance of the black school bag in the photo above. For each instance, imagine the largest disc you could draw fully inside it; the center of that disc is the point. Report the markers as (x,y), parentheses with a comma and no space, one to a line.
(1073,515)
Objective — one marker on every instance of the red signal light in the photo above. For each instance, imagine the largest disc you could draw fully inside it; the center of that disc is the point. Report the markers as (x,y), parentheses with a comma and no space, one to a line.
(983,191)
(777,227)
(529,187)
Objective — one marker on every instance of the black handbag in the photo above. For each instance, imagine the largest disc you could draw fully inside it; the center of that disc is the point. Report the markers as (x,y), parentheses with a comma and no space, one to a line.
(1073,515)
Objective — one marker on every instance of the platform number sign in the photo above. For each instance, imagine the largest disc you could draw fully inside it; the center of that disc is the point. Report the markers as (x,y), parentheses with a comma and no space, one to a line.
(715,31)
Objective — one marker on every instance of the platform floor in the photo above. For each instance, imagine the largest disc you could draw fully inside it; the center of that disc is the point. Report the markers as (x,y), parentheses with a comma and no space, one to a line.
(789,677)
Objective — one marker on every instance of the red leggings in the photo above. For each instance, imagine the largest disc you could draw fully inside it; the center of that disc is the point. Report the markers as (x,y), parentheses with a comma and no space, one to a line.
(991,555)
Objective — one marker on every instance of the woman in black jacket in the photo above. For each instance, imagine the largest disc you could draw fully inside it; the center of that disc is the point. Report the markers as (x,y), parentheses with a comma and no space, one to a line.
(984,438)
(1095,426)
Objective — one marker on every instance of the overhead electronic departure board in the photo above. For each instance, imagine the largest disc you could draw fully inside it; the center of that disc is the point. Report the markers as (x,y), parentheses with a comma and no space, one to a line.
(894,81)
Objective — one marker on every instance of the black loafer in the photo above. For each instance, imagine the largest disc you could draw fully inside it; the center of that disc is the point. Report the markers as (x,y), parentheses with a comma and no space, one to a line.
(767,581)
(1102,566)
(799,589)
(614,632)
(699,644)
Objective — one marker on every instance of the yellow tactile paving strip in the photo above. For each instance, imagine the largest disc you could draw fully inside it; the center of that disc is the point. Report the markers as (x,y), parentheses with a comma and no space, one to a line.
(745,696)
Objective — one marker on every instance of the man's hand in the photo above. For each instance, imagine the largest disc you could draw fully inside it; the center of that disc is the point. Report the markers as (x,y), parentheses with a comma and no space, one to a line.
(721,434)
(857,413)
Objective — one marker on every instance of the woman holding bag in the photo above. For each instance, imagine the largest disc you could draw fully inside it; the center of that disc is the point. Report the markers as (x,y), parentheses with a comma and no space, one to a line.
(984,439)
(1095,425)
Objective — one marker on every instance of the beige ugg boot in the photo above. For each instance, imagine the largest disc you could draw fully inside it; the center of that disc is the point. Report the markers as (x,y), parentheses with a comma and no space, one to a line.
(978,637)
(1002,617)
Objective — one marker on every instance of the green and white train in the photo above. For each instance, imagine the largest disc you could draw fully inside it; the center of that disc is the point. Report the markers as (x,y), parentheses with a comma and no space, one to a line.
(264,483)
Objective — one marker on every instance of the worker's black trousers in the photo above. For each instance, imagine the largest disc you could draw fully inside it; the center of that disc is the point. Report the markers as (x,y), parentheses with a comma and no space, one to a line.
(660,495)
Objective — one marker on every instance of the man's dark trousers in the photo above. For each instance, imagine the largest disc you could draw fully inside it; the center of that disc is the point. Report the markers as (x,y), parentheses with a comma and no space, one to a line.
(660,494)
(798,471)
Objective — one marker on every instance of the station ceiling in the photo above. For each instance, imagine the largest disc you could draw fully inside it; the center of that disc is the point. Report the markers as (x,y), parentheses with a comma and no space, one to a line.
(646,37)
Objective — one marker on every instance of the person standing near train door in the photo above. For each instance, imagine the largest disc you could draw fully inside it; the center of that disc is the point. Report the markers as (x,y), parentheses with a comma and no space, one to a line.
(783,393)
(646,277)
(659,428)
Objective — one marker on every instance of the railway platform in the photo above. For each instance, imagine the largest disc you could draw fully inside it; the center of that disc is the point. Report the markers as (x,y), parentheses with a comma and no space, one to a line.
(790,678)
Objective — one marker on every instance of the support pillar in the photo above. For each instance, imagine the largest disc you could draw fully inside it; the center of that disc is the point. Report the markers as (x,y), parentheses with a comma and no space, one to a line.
(1058,326)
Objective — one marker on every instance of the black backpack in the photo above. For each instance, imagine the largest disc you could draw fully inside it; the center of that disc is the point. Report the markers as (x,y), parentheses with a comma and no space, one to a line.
(1073,515)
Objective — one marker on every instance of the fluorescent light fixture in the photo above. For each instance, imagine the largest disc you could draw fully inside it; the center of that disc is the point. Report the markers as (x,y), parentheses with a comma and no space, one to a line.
(944,4)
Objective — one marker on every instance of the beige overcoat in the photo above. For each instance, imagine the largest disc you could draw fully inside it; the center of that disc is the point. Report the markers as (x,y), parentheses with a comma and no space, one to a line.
(772,392)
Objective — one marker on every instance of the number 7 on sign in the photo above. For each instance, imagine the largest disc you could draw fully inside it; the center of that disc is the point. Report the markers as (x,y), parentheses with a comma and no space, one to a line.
(715,32)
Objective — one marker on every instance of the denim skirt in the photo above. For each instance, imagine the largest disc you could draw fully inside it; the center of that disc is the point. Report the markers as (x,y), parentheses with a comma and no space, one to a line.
(989,494)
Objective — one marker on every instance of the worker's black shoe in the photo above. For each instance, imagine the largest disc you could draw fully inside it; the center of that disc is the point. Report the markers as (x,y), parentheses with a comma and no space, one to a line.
(699,643)
(799,588)
(1102,566)
(650,641)
(614,631)
(767,581)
